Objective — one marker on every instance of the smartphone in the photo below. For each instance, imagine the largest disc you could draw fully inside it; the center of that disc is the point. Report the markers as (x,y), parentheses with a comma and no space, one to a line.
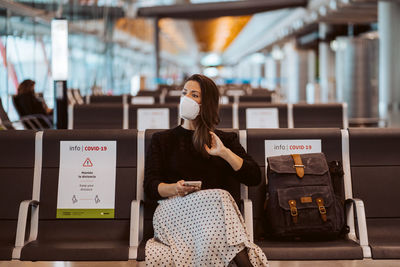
(192,183)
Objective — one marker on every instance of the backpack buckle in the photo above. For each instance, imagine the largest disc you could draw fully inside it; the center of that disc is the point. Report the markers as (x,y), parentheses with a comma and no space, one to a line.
(293,210)
(321,208)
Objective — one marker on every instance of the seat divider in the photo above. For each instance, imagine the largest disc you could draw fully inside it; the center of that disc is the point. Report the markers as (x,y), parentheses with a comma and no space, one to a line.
(290,121)
(345,116)
(125,118)
(70,116)
(235,115)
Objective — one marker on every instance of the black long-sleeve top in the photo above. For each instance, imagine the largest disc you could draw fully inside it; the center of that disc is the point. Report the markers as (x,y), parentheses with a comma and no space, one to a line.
(171,157)
(28,104)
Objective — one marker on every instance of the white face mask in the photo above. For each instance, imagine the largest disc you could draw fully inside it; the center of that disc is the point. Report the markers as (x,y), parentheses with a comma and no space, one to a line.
(188,108)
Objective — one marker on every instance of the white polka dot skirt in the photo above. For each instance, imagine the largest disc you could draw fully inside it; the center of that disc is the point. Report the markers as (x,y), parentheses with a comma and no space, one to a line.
(204,228)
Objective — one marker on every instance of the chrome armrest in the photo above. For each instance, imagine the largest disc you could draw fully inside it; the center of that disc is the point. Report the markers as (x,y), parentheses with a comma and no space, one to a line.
(357,205)
(29,120)
(36,118)
(21,225)
(136,228)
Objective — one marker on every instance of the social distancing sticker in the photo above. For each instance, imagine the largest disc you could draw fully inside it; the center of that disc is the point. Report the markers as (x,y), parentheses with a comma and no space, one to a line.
(152,118)
(86,182)
(262,118)
(144,100)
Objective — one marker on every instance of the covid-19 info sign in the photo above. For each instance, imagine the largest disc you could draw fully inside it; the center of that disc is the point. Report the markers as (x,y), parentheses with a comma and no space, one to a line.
(86,182)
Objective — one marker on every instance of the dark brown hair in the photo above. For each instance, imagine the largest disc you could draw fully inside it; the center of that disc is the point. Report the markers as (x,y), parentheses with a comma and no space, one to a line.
(26,87)
(208,116)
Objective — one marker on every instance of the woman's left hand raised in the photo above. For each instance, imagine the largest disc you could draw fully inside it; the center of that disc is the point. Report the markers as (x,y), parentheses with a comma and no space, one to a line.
(217,147)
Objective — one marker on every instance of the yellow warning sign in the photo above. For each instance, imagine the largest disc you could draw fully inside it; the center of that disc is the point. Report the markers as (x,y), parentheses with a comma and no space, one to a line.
(87,163)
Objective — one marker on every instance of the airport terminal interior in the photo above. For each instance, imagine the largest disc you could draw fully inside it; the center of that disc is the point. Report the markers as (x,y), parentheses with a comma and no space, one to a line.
(89,87)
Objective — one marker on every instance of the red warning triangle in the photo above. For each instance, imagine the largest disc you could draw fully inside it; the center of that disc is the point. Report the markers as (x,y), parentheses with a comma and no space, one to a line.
(87,163)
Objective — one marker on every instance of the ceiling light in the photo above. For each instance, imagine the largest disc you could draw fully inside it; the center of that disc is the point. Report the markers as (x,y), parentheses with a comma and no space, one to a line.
(322,11)
(314,15)
(258,58)
(277,53)
(334,45)
(211,72)
(333,5)
(212,59)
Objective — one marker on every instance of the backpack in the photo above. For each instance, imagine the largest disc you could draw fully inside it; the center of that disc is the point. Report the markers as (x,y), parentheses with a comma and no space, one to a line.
(337,173)
(301,201)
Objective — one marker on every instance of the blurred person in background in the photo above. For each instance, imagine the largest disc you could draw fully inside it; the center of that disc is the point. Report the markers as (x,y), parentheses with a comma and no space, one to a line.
(28,102)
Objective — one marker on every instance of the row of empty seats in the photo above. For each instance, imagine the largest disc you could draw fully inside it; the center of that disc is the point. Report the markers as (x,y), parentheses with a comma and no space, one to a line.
(150,98)
(236,116)
(74,97)
(29,229)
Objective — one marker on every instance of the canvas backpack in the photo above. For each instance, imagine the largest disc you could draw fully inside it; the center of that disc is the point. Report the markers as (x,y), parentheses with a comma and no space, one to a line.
(301,201)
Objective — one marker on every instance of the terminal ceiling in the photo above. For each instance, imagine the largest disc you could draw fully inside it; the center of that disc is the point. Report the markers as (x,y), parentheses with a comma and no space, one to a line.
(196,27)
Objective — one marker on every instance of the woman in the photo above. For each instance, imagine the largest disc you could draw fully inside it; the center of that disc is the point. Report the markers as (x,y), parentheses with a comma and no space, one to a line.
(27,101)
(192,227)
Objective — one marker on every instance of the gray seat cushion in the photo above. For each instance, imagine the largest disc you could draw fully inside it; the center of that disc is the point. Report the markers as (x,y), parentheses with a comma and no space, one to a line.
(328,250)
(80,240)
(375,172)
(78,250)
(384,237)
(16,179)
(7,238)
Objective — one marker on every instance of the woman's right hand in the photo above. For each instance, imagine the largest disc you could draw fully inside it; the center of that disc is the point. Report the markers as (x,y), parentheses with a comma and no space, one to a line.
(175,189)
(182,190)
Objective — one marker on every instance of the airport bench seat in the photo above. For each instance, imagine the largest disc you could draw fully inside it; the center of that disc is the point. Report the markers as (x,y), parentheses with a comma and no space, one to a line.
(7,238)
(76,240)
(340,249)
(226,116)
(172,99)
(282,113)
(173,110)
(255,98)
(96,99)
(375,173)
(319,115)
(114,116)
(84,239)
(16,180)
(96,116)
(384,237)
(4,119)
(331,145)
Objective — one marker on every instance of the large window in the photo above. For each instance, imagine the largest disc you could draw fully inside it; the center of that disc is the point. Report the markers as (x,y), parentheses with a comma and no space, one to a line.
(26,54)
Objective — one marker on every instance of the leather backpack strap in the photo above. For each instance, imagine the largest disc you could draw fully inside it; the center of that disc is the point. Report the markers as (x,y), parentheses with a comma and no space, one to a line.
(321,208)
(298,164)
(293,210)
